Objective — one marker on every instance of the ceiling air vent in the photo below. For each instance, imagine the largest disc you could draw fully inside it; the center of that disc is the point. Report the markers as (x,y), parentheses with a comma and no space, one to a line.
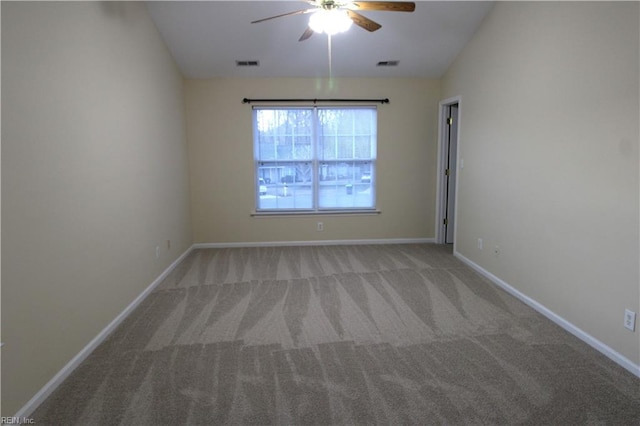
(388,63)
(247,63)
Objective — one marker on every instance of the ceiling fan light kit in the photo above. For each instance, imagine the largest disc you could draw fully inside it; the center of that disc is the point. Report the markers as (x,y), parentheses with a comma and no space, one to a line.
(332,21)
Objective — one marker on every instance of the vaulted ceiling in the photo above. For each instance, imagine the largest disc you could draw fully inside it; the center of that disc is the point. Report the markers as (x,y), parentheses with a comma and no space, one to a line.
(206,38)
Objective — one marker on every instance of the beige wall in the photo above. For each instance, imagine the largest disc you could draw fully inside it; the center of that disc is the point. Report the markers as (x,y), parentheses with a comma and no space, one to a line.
(94,177)
(219,131)
(94,167)
(549,138)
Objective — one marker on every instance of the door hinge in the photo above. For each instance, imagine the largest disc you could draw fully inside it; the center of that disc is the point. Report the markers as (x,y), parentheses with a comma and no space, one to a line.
(450,121)
(446,221)
(446,172)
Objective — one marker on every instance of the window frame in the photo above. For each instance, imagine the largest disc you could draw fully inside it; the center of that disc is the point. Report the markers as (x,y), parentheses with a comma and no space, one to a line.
(316,161)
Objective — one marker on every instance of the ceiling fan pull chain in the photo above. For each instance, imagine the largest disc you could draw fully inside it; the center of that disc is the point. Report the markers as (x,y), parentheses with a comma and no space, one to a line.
(329,41)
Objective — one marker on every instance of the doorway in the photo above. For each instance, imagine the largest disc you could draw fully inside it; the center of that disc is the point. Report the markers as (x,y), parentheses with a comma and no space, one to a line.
(447,170)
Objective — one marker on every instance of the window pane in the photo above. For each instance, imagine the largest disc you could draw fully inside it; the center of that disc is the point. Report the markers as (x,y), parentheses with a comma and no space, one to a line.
(363,148)
(328,147)
(284,134)
(345,146)
(346,185)
(347,133)
(286,186)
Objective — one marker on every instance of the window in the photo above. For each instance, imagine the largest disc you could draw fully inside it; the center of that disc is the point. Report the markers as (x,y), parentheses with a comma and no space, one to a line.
(315,159)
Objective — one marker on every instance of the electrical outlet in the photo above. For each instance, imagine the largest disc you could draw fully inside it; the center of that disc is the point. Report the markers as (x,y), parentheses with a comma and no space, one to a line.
(320,226)
(630,319)
(157,252)
(168,244)
(480,243)
(496,251)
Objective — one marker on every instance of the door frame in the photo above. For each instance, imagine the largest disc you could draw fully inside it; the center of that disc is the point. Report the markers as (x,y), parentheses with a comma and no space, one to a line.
(441,166)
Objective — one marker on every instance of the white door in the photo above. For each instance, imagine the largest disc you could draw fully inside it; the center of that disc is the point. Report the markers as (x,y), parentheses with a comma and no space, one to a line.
(451,152)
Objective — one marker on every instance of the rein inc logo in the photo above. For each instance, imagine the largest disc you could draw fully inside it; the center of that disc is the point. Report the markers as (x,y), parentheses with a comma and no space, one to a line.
(17,421)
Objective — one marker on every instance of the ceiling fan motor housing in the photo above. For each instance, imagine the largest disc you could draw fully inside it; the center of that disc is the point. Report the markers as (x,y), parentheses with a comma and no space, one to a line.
(330,4)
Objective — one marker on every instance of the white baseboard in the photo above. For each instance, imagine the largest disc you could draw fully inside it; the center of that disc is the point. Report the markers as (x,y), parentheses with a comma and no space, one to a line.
(315,243)
(47,389)
(580,334)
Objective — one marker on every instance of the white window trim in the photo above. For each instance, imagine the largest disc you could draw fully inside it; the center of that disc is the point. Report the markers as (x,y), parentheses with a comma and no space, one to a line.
(315,161)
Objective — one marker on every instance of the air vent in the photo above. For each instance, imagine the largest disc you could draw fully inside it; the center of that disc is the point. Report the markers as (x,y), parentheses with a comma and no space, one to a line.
(388,63)
(247,63)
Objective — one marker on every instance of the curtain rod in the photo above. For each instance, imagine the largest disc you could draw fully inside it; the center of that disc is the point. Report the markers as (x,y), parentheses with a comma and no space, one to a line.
(382,101)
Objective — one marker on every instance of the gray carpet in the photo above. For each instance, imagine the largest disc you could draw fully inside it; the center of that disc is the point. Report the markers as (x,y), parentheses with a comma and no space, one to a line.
(372,334)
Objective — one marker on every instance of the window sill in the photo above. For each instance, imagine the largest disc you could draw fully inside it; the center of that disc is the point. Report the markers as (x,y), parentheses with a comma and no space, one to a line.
(355,212)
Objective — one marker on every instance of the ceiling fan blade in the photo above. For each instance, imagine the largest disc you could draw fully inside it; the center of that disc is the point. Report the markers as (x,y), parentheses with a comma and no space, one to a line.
(387,6)
(297,12)
(306,34)
(363,22)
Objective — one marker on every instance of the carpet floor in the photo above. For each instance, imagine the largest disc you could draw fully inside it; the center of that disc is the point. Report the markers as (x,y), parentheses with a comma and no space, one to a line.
(363,334)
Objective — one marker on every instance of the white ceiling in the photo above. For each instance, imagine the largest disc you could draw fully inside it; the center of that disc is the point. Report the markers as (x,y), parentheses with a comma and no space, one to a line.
(207,37)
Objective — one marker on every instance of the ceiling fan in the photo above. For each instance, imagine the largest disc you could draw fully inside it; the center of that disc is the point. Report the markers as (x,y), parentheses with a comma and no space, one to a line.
(332,16)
